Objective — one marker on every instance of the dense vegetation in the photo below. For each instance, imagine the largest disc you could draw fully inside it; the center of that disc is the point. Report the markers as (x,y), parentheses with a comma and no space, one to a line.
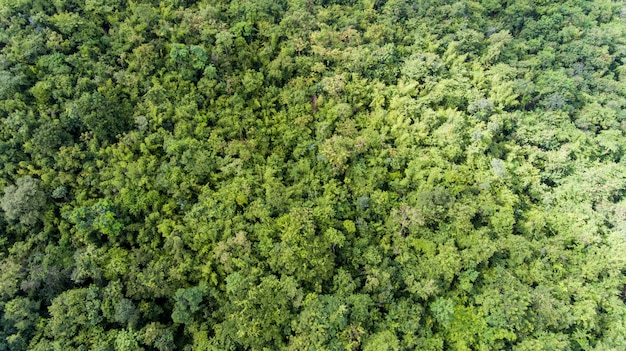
(312,175)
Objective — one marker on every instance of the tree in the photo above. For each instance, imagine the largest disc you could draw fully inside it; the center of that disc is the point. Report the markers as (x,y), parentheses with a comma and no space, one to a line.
(21,315)
(188,301)
(312,175)
(24,202)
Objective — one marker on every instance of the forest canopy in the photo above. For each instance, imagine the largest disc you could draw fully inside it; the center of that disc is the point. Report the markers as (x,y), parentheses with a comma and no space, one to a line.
(312,175)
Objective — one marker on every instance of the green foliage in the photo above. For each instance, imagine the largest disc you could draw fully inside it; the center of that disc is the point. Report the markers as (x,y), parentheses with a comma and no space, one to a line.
(99,217)
(24,201)
(187,302)
(126,341)
(312,175)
